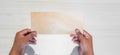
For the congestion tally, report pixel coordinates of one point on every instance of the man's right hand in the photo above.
(84, 41)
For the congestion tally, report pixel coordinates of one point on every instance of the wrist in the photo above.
(14, 52)
(91, 52)
(17, 50)
(88, 52)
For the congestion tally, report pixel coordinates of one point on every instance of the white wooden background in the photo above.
(101, 19)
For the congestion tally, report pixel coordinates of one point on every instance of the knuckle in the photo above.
(18, 33)
(32, 34)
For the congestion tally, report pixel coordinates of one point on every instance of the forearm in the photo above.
(16, 50)
(89, 52)
(13, 52)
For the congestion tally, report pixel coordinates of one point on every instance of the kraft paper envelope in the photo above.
(55, 22)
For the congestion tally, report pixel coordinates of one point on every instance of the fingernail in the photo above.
(71, 35)
(35, 32)
(77, 30)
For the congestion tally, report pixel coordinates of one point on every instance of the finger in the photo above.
(35, 33)
(76, 41)
(31, 35)
(24, 31)
(32, 41)
(73, 35)
(86, 34)
(75, 38)
(79, 34)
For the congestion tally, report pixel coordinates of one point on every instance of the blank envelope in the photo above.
(55, 22)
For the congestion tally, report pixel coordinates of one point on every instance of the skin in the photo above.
(26, 36)
(84, 41)
(22, 38)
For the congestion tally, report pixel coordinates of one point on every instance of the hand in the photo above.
(22, 38)
(84, 41)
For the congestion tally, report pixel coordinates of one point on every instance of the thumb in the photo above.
(31, 35)
(79, 34)
(86, 34)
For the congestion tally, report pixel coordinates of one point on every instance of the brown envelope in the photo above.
(55, 22)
